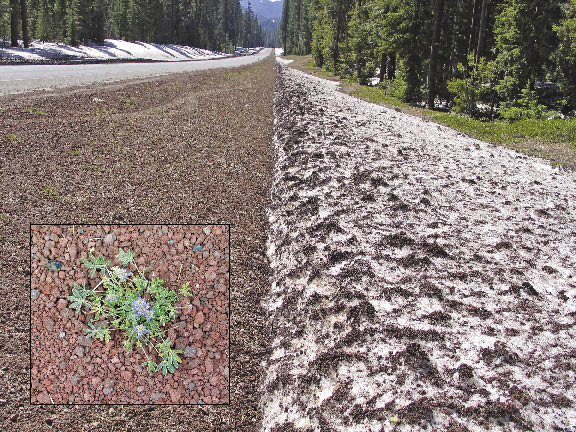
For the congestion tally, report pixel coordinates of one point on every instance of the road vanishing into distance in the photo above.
(26, 78)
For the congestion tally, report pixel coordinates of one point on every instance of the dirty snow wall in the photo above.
(422, 280)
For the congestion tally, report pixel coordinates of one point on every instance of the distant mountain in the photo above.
(264, 8)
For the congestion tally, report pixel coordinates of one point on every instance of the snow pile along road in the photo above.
(111, 49)
(422, 280)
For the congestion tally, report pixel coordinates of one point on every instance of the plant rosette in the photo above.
(129, 302)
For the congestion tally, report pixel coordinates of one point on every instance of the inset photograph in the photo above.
(130, 314)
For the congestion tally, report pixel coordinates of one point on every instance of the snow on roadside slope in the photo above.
(422, 280)
(111, 49)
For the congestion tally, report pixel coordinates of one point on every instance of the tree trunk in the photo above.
(391, 66)
(413, 59)
(481, 31)
(472, 25)
(383, 66)
(434, 54)
(14, 23)
(284, 26)
(24, 15)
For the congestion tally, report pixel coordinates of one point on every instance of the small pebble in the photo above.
(197, 248)
(62, 335)
(34, 294)
(109, 238)
(189, 351)
(54, 265)
(155, 396)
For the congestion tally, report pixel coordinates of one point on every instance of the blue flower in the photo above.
(111, 297)
(123, 274)
(148, 314)
(141, 307)
(140, 330)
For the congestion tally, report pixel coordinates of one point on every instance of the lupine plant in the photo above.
(125, 300)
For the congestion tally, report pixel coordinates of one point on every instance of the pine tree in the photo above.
(14, 18)
(24, 16)
(525, 38)
(434, 54)
(565, 55)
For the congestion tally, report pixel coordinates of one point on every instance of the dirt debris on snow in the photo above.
(189, 148)
(422, 280)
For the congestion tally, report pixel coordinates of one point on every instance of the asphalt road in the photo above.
(26, 78)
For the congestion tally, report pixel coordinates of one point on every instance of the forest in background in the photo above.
(218, 25)
(511, 59)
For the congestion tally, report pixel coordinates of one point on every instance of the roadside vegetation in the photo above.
(499, 131)
(499, 70)
(553, 139)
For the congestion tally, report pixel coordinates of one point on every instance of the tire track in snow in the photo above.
(422, 280)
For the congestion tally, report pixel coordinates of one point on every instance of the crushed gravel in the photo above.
(73, 368)
(190, 148)
(422, 280)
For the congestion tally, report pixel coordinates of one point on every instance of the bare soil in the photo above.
(190, 148)
(69, 367)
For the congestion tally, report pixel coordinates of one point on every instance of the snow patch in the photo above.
(422, 280)
(111, 49)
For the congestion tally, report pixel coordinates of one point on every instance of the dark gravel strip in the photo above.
(190, 148)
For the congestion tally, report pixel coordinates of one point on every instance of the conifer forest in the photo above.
(218, 25)
(509, 59)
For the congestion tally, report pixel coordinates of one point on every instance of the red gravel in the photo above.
(68, 367)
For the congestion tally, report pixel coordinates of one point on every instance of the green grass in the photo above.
(35, 111)
(497, 131)
(13, 137)
(53, 193)
(319, 71)
(375, 94)
(502, 132)
(73, 153)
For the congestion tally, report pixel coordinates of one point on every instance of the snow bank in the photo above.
(422, 280)
(111, 49)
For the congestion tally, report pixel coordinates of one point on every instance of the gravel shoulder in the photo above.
(422, 280)
(190, 148)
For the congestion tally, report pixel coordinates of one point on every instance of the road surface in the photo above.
(25, 78)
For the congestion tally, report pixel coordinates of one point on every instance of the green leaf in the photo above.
(101, 333)
(99, 311)
(185, 290)
(79, 296)
(95, 264)
(125, 257)
(169, 357)
(150, 365)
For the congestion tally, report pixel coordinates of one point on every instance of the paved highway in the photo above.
(26, 78)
